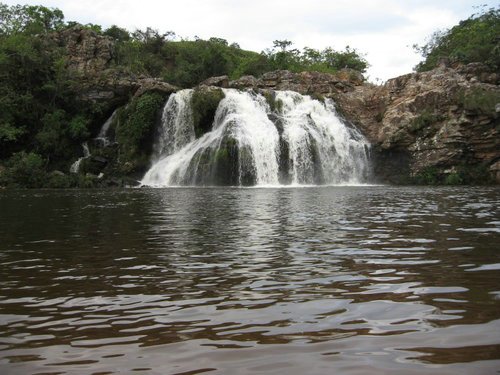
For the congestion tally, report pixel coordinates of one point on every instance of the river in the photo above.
(350, 280)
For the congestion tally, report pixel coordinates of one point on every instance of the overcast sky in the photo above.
(384, 30)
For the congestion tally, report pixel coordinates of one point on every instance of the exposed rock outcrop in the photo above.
(444, 120)
(304, 83)
(86, 51)
(90, 57)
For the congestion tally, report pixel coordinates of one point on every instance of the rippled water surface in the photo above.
(351, 280)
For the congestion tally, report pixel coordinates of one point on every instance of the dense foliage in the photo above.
(476, 39)
(136, 124)
(327, 60)
(186, 63)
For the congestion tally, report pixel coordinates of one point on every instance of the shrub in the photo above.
(464, 174)
(78, 128)
(428, 176)
(24, 170)
(58, 180)
(422, 121)
(275, 105)
(479, 101)
(474, 174)
(453, 179)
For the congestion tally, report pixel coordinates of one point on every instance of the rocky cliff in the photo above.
(439, 126)
(90, 58)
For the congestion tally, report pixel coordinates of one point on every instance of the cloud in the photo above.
(383, 29)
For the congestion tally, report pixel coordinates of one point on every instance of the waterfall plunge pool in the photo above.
(349, 280)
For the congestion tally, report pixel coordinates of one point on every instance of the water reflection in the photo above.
(366, 279)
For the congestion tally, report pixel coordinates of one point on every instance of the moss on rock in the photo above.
(204, 103)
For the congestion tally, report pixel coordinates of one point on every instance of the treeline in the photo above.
(186, 63)
(476, 39)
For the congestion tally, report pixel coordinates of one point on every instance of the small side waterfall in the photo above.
(75, 167)
(300, 141)
(177, 128)
(102, 137)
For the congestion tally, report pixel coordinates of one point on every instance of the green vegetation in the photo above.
(135, 131)
(453, 179)
(310, 59)
(186, 63)
(424, 120)
(479, 101)
(24, 170)
(276, 105)
(40, 113)
(460, 175)
(472, 40)
(43, 120)
(204, 104)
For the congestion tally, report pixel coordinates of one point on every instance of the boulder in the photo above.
(245, 82)
(221, 81)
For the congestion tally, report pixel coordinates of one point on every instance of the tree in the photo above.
(328, 60)
(117, 33)
(29, 19)
(282, 44)
(476, 39)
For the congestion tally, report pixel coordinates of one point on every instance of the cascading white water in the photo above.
(103, 133)
(305, 143)
(177, 128)
(75, 167)
(319, 141)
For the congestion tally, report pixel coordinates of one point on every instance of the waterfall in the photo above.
(102, 136)
(177, 129)
(322, 149)
(298, 141)
(75, 167)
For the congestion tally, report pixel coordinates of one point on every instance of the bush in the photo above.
(474, 174)
(428, 176)
(326, 61)
(59, 180)
(275, 105)
(78, 128)
(453, 179)
(422, 121)
(464, 174)
(25, 170)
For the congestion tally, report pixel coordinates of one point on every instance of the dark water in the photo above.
(352, 280)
